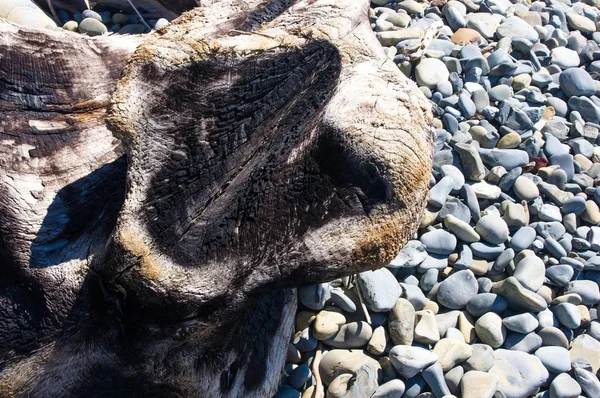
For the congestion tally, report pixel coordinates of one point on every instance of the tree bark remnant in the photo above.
(160, 198)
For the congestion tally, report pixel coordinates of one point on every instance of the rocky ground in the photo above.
(497, 294)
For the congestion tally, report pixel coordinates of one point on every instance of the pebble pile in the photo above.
(89, 22)
(497, 294)
(95, 23)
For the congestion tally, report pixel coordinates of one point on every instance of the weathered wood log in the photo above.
(261, 145)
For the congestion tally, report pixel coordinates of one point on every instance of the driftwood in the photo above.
(161, 196)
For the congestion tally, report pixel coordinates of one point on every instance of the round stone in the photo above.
(514, 28)
(430, 71)
(577, 82)
(351, 335)
(568, 315)
(120, 19)
(457, 289)
(493, 229)
(510, 141)
(482, 358)
(439, 242)
(521, 323)
(580, 23)
(91, 14)
(587, 290)
(161, 23)
(523, 342)
(71, 26)
(466, 36)
(555, 359)
(522, 239)
(565, 58)
(328, 323)
(486, 302)
(520, 374)
(490, 330)
(564, 386)
(92, 27)
(380, 289)
(453, 172)
(525, 189)
(553, 336)
(531, 272)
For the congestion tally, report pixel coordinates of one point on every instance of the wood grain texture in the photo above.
(269, 144)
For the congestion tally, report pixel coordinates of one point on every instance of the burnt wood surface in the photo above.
(161, 196)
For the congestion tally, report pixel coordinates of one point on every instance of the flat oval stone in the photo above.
(522, 239)
(567, 314)
(457, 289)
(454, 173)
(531, 272)
(565, 58)
(337, 362)
(439, 242)
(486, 251)
(555, 359)
(483, 190)
(523, 342)
(482, 358)
(588, 290)
(507, 158)
(520, 373)
(560, 274)
(92, 27)
(461, 229)
(351, 335)
(553, 336)
(328, 323)
(492, 229)
(401, 322)
(525, 189)
(521, 323)
(564, 386)
(490, 330)
(457, 209)
(486, 302)
(380, 289)
(409, 360)
(430, 71)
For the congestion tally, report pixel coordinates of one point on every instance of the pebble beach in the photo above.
(497, 294)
